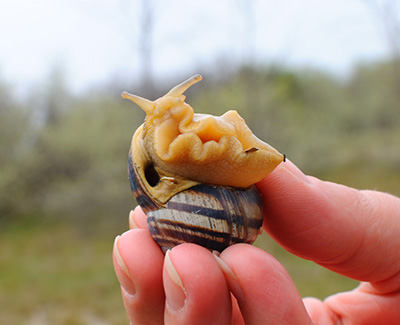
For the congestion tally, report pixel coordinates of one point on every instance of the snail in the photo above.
(194, 174)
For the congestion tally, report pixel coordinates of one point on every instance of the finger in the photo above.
(355, 307)
(319, 313)
(138, 263)
(363, 307)
(351, 232)
(137, 219)
(195, 288)
(265, 292)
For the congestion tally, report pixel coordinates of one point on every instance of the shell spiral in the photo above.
(193, 174)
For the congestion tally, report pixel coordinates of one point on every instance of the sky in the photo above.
(98, 40)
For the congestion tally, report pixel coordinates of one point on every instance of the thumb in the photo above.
(352, 232)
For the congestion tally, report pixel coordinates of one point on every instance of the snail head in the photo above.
(165, 105)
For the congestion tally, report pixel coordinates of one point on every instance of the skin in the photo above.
(354, 233)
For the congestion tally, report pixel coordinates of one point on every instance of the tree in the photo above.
(388, 13)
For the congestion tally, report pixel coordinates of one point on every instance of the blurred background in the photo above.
(318, 80)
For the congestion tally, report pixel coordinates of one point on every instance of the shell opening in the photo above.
(151, 175)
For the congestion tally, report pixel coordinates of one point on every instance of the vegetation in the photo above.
(65, 195)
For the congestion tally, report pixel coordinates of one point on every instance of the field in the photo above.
(55, 274)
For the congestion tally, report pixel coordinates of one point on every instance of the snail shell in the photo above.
(193, 174)
(211, 216)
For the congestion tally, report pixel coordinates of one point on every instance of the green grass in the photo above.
(57, 274)
(53, 274)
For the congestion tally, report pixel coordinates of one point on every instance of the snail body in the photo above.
(193, 174)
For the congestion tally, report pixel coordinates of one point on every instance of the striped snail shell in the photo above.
(214, 217)
(194, 174)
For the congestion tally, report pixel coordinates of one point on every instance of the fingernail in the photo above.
(294, 170)
(132, 224)
(124, 277)
(175, 292)
(231, 278)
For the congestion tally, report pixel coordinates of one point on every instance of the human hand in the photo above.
(354, 233)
